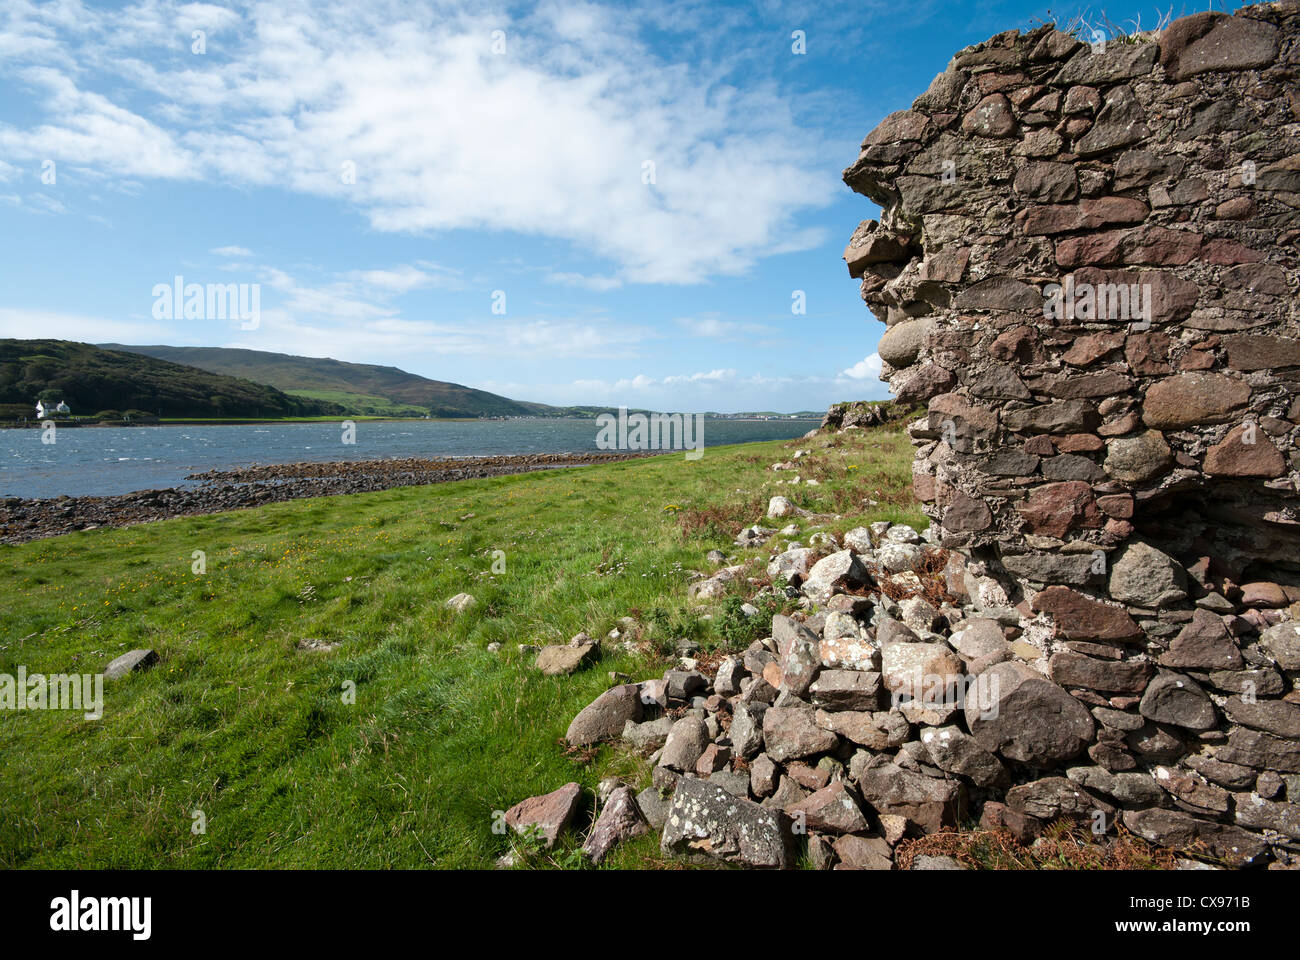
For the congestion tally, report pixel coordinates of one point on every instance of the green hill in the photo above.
(92, 379)
(360, 388)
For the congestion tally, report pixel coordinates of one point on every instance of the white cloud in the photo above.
(551, 139)
(231, 251)
(405, 278)
(587, 282)
(867, 368)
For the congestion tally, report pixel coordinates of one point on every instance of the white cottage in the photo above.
(42, 411)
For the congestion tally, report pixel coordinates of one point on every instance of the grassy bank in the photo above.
(237, 722)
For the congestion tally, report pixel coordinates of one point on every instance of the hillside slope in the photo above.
(92, 379)
(359, 387)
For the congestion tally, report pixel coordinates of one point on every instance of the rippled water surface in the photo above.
(99, 461)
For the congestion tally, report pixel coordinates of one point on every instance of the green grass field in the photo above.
(237, 722)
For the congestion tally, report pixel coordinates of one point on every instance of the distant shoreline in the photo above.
(24, 519)
(250, 422)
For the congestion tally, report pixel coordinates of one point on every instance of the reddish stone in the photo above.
(967, 514)
(1019, 343)
(1076, 127)
(1238, 208)
(1172, 298)
(1041, 446)
(1252, 351)
(1204, 644)
(1054, 508)
(1022, 827)
(923, 487)
(922, 382)
(713, 759)
(1157, 246)
(969, 419)
(1087, 350)
(1261, 593)
(1215, 41)
(832, 808)
(1118, 530)
(1148, 353)
(1049, 182)
(1235, 457)
(1091, 214)
(1196, 360)
(1071, 669)
(1081, 99)
(875, 247)
(1228, 252)
(992, 82)
(1192, 398)
(946, 266)
(1125, 424)
(1080, 443)
(1081, 618)
(1119, 505)
(862, 853)
(550, 813)
(991, 117)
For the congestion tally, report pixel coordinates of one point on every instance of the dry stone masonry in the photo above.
(1087, 264)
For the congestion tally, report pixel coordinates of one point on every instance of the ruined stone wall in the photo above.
(1132, 436)
(1087, 265)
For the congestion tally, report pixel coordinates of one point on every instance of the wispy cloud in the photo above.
(569, 126)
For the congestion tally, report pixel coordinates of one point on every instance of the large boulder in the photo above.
(901, 343)
(606, 716)
(1013, 710)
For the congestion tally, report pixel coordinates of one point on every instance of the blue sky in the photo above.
(497, 149)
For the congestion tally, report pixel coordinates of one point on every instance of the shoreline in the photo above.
(24, 519)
